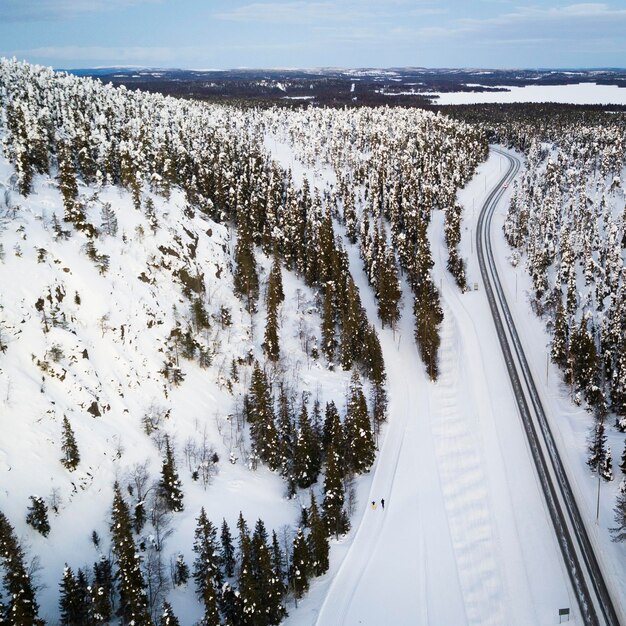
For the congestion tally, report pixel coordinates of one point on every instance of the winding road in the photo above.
(594, 600)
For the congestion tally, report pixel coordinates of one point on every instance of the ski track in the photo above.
(463, 485)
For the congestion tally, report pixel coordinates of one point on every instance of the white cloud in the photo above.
(32, 10)
(280, 12)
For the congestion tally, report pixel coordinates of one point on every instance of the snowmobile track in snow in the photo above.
(462, 477)
(594, 601)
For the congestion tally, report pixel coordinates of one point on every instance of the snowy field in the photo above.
(581, 93)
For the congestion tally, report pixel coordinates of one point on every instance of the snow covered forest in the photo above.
(566, 224)
(190, 385)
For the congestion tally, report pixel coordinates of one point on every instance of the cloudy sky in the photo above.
(226, 34)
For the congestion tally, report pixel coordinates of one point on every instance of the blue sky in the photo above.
(225, 34)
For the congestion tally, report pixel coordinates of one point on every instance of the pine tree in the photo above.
(300, 565)
(71, 456)
(102, 591)
(278, 558)
(428, 317)
(389, 291)
(249, 600)
(21, 608)
(269, 587)
(170, 488)
(559, 351)
(332, 434)
(109, 220)
(206, 571)
(619, 532)
(275, 296)
(167, 616)
(599, 454)
(227, 551)
(181, 571)
(307, 452)
(334, 514)
(286, 440)
(328, 324)
(352, 317)
(246, 279)
(74, 603)
(67, 180)
(37, 515)
(360, 446)
(132, 587)
(262, 421)
(318, 540)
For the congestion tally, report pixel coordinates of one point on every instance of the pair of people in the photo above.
(382, 503)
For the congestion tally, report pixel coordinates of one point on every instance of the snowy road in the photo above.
(594, 601)
(465, 537)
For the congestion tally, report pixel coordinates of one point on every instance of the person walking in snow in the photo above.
(382, 503)
(373, 505)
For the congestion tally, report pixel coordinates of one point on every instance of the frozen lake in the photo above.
(581, 93)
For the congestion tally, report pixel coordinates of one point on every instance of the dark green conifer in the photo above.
(318, 540)
(300, 565)
(170, 489)
(71, 456)
(37, 515)
(307, 453)
(206, 570)
(334, 514)
(132, 587)
(360, 447)
(227, 551)
(167, 616)
(262, 420)
(21, 608)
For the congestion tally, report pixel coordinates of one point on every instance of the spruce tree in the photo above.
(328, 324)
(286, 440)
(278, 558)
(206, 570)
(318, 540)
(360, 447)
(74, 602)
(227, 551)
(71, 456)
(262, 420)
(269, 587)
(334, 514)
(274, 297)
(167, 617)
(250, 603)
(181, 571)
(599, 454)
(132, 586)
(21, 608)
(300, 565)
(246, 279)
(102, 591)
(37, 515)
(428, 317)
(389, 291)
(619, 531)
(307, 452)
(170, 488)
(333, 434)
(559, 351)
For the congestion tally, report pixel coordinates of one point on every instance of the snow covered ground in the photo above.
(464, 537)
(581, 93)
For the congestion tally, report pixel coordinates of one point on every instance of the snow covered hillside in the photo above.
(192, 384)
